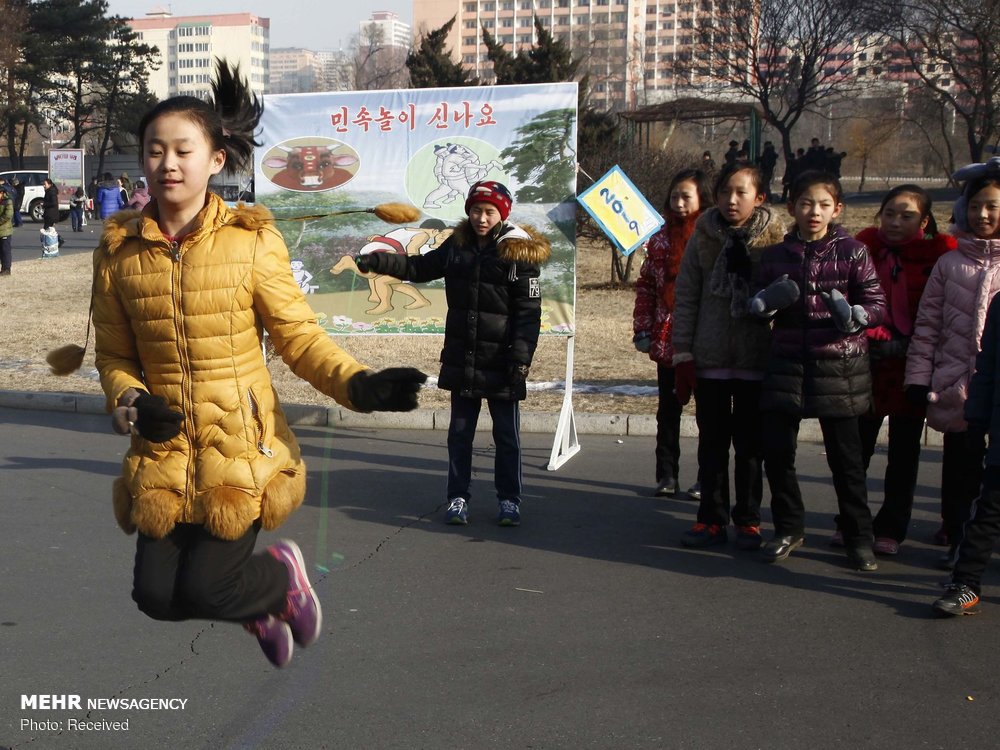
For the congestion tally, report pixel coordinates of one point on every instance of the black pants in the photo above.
(981, 534)
(6, 256)
(727, 414)
(506, 437)
(961, 480)
(668, 426)
(842, 440)
(905, 436)
(190, 574)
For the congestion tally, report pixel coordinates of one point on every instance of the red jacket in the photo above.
(903, 272)
(654, 289)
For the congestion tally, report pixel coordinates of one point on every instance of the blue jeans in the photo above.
(76, 219)
(506, 437)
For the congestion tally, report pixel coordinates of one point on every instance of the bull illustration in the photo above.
(310, 168)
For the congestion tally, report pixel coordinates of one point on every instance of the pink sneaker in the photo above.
(274, 637)
(837, 540)
(885, 546)
(303, 613)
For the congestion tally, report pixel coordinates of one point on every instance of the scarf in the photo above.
(731, 273)
(679, 231)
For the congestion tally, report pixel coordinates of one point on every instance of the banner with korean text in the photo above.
(330, 156)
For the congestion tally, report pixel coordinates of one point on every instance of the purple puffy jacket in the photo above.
(814, 369)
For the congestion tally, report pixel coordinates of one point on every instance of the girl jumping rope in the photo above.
(652, 318)
(181, 295)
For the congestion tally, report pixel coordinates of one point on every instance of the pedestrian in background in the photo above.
(652, 317)
(109, 197)
(18, 200)
(76, 205)
(6, 230)
(140, 196)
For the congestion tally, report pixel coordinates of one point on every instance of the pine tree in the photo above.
(431, 65)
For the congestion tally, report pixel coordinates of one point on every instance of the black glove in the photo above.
(366, 262)
(975, 435)
(392, 389)
(894, 349)
(517, 376)
(917, 394)
(779, 294)
(642, 341)
(157, 422)
(847, 318)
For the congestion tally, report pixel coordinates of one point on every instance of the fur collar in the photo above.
(525, 244)
(126, 225)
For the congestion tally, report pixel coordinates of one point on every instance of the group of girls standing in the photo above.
(766, 328)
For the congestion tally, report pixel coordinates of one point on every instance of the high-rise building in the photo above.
(386, 27)
(188, 47)
(627, 46)
(295, 70)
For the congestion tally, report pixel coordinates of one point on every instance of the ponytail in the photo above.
(229, 120)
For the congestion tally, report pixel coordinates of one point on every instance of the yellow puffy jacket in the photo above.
(185, 322)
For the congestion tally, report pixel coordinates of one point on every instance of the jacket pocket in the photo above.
(260, 433)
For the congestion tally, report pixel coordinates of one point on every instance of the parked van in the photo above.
(34, 191)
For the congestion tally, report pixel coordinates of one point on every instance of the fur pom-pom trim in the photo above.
(121, 500)
(66, 359)
(283, 494)
(229, 512)
(156, 512)
(396, 213)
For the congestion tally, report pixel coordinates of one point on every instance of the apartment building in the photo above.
(627, 46)
(189, 45)
(387, 28)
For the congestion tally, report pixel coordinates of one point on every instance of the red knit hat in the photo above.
(493, 192)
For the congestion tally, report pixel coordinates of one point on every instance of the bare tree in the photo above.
(869, 133)
(377, 63)
(954, 47)
(788, 56)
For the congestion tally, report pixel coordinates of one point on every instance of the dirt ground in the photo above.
(44, 305)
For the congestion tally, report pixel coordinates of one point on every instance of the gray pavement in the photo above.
(26, 245)
(587, 627)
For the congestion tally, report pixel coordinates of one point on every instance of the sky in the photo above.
(313, 24)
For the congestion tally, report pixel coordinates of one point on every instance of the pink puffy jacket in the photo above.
(949, 324)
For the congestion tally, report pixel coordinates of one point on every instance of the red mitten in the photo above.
(685, 380)
(878, 333)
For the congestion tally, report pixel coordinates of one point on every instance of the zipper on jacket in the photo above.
(187, 387)
(255, 411)
(175, 249)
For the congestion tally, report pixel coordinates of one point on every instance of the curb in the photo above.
(621, 425)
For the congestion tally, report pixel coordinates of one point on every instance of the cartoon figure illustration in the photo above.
(403, 241)
(311, 168)
(303, 277)
(456, 169)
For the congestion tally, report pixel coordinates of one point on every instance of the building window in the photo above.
(469, 41)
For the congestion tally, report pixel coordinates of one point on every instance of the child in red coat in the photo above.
(689, 192)
(904, 247)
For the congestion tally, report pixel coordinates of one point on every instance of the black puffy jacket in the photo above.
(814, 370)
(494, 304)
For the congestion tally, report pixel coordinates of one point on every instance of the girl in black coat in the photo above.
(491, 268)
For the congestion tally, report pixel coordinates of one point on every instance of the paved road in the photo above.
(587, 627)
